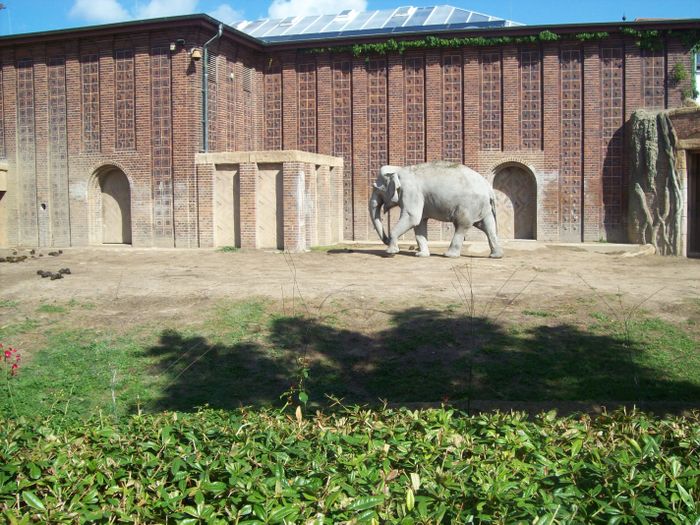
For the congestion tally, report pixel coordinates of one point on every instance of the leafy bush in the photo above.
(353, 466)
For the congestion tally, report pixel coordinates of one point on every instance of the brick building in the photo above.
(102, 129)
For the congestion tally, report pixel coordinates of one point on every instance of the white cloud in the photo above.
(100, 11)
(284, 8)
(227, 14)
(160, 8)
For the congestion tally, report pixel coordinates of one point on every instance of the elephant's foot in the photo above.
(453, 253)
(424, 253)
(392, 249)
(496, 254)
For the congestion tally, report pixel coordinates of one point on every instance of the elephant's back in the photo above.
(453, 176)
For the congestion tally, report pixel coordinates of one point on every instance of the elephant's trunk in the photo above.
(375, 212)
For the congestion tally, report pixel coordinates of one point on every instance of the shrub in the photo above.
(353, 466)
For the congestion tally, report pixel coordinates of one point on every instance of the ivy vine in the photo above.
(653, 40)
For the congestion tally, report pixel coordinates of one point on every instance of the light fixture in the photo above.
(195, 53)
(173, 46)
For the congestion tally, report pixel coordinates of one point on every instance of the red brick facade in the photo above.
(74, 102)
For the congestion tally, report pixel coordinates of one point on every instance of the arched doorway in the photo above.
(116, 207)
(516, 202)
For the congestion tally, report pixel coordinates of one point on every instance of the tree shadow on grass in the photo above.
(423, 356)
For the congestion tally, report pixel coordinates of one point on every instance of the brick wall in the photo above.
(557, 110)
(73, 106)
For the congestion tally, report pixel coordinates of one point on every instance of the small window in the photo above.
(697, 63)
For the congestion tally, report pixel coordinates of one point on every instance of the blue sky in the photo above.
(23, 16)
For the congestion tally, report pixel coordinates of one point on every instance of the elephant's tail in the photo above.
(492, 200)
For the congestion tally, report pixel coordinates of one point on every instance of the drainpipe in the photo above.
(205, 89)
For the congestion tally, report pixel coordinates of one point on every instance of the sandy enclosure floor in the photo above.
(105, 275)
(134, 283)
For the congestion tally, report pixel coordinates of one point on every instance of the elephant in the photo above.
(444, 191)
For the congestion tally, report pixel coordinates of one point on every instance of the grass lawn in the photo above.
(250, 353)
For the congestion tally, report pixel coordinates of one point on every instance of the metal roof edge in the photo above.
(130, 26)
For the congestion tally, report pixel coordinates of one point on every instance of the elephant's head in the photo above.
(386, 195)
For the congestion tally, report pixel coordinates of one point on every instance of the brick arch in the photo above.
(515, 186)
(110, 190)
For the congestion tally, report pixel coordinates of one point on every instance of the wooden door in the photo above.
(516, 204)
(116, 208)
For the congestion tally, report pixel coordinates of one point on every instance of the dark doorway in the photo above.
(694, 204)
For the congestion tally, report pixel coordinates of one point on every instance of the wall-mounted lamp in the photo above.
(195, 53)
(180, 42)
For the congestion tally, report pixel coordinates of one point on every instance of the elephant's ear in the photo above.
(394, 186)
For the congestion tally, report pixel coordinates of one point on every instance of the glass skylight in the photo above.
(347, 23)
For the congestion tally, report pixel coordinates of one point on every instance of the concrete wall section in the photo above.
(289, 200)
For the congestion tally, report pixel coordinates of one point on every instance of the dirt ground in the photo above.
(128, 283)
(121, 287)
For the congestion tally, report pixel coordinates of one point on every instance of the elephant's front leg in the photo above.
(455, 249)
(406, 222)
(422, 239)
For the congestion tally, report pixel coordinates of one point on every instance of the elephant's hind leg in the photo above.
(422, 239)
(455, 249)
(488, 226)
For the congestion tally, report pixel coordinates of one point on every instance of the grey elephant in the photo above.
(444, 191)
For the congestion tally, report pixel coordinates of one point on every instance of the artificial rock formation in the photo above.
(655, 198)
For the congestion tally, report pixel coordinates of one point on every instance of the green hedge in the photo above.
(352, 466)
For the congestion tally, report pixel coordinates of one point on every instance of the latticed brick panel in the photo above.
(613, 119)
(230, 106)
(212, 101)
(247, 101)
(531, 93)
(377, 114)
(307, 106)
(161, 142)
(90, 81)
(342, 132)
(653, 79)
(273, 106)
(571, 136)
(491, 101)
(58, 151)
(452, 108)
(124, 99)
(26, 154)
(2, 119)
(415, 110)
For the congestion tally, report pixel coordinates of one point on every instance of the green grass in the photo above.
(332, 247)
(7, 303)
(537, 313)
(21, 327)
(228, 249)
(248, 353)
(51, 309)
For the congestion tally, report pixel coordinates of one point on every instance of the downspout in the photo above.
(205, 89)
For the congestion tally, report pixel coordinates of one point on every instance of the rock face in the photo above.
(655, 199)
